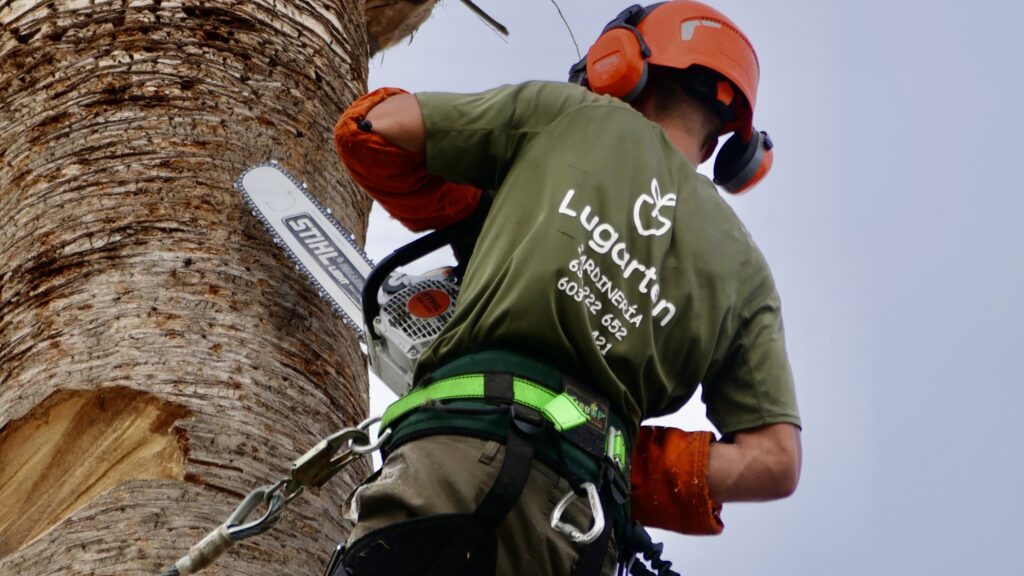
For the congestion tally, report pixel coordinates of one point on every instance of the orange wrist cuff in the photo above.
(669, 478)
(397, 178)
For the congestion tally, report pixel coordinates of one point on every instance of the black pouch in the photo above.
(409, 548)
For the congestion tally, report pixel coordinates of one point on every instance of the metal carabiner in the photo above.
(313, 469)
(370, 446)
(596, 511)
(275, 500)
(234, 529)
(322, 462)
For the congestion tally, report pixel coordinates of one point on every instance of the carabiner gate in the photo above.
(596, 511)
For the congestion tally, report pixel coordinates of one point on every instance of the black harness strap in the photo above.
(483, 523)
(591, 558)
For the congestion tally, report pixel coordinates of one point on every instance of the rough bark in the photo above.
(154, 345)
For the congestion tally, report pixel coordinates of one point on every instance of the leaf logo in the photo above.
(650, 222)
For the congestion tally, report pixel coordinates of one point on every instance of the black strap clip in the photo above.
(617, 482)
(527, 420)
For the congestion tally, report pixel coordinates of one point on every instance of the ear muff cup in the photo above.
(617, 63)
(742, 163)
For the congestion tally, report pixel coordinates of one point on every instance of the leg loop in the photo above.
(482, 524)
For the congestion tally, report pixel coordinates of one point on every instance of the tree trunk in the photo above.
(159, 358)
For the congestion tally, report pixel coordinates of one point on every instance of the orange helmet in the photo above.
(680, 34)
(676, 34)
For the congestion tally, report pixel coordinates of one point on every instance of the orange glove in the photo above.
(397, 178)
(669, 480)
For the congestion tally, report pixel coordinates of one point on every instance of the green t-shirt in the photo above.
(606, 254)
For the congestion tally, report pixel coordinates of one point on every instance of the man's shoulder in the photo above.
(565, 96)
(718, 237)
(533, 105)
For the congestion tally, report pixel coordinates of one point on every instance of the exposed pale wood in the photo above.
(389, 21)
(76, 445)
(127, 260)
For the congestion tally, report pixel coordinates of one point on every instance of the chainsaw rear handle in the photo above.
(456, 234)
(411, 252)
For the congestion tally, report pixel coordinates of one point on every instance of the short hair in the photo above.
(690, 92)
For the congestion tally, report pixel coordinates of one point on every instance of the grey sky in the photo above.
(891, 221)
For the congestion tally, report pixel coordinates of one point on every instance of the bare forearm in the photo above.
(762, 464)
(399, 120)
(380, 139)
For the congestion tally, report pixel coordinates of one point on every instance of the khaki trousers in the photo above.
(452, 474)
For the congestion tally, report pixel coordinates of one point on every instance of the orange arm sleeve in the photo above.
(669, 479)
(397, 178)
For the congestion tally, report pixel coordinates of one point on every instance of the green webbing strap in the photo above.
(564, 412)
(447, 389)
(560, 409)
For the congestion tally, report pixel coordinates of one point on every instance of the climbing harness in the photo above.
(536, 412)
(313, 469)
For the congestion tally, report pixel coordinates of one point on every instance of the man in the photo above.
(608, 281)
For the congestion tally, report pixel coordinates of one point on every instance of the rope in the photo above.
(314, 468)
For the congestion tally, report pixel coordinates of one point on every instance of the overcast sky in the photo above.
(891, 221)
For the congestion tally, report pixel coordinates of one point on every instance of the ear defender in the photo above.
(616, 64)
(743, 162)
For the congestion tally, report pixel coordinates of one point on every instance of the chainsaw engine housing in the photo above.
(413, 312)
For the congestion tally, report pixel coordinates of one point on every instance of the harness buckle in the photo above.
(615, 448)
(527, 420)
(596, 511)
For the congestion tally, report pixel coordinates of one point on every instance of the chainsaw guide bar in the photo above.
(322, 250)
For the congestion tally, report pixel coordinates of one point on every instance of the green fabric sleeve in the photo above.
(753, 384)
(475, 138)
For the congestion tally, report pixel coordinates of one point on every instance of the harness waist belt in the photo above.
(560, 409)
(581, 418)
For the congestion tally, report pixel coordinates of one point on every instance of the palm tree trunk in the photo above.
(158, 356)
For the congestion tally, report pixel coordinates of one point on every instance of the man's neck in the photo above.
(675, 129)
(684, 141)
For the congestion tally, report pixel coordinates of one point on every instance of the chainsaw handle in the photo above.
(411, 252)
(418, 248)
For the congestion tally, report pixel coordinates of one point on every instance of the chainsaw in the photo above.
(396, 315)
